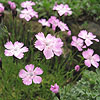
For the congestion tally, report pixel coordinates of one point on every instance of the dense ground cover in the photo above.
(65, 63)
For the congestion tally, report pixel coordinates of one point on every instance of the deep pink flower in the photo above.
(1, 8)
(28, 14)
(54, 21)
(31, 74)
(44, 22)
(88, 37)
(63, 9)
(55, 88)
(27, 4)
(49, 45)
(90, 58)
(77, 68)
(15, 49)
(12, 5)
(63, 26)
(77, 42)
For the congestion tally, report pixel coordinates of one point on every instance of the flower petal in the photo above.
(95, 64)
(37, 79)
(19, 55)
(48, 53)
(96, 57)
(38, 71)
(18, 44)
(22, 73)
(9, 45)
(87, 63)
(27, 81)
(39, 45)
(29, 67)
(8, 53)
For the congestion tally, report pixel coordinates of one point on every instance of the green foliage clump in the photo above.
(88, 88)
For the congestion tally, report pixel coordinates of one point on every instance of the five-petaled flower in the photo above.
(90, 58)
(77, 42)
(28, 14)
(31, 74)
(27, 4)
(49, 45)
(88, 37)
(15, 49)
(63, 9)
(44, 22)
(55, 88)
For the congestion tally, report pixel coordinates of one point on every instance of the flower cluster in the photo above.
(49, 45)
(12, 5)
(28, 13)
(84, 40)
(1, 9)
(57, 23)
(63, 9)
(15, 49)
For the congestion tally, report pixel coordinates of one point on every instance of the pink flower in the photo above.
(44, 22)
(69, 33)
(30, 74)
(28, 14)
(27, 4)
(54, 21)
(77, 68)
(12, 5)
(49, 45)
(63, 9)
(90, 58)
(1, 8)
(63, 26)
(54, 88)
(88, 37)
(77, 42)
(15, 49)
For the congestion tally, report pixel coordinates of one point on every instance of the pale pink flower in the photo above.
(12, 5)
(27, 4)
(54, 21)
(15, 49)
(63, 9)
(63, 26)
(77, 42)
(88, 37)
(49, 45)
(90, 58)
(77, 68)
(44, 22)
(1, 8)
(31, 74)
(55, 88)
(28, 14)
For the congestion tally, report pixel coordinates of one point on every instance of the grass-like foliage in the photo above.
(54, 70)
